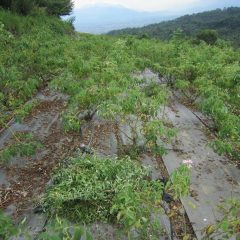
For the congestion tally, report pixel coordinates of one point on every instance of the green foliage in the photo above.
(95, 71)
(231, 221)
(179, 182)
(56, 7)
(209, 36)
(25, 59)
(22, 6)
(226, 22)
(207, 75)
(7, 229)
(24, 111)
(25, 146)
(26, 7)
(70, 122)
(58, 229)
(228, 226)
(90, 189)
(155, 129)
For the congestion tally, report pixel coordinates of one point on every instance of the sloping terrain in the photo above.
(213, 179)
(101, 134)
(225, 21)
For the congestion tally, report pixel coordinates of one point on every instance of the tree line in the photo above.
(51, 7)
(225, 21)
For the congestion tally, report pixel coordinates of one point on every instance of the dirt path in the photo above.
(214, 177)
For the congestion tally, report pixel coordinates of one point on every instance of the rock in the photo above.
(125, 135)
(113, 144)
(86, 149)
(132, 130)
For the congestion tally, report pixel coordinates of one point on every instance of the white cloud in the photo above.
(146, 5)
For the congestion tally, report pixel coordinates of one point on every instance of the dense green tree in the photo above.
(52, 7)
(5, 3)
(209, 36)
(56, 7)
(22, 6)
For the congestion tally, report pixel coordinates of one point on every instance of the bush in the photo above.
(56, 7)
(7, 228)
(209, 36)
(22, 6)
(92, 189)
(25, 7)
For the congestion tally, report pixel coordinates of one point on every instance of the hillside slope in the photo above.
(81, 117)
(226, 22)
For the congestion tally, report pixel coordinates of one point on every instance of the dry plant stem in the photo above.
(7, 126)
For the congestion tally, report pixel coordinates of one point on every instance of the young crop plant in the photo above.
(206, 75)
(117, 191)
(56, 229)
(7, 227)
(229, 226)
(179, 182)
(24, 145)
(25, 110)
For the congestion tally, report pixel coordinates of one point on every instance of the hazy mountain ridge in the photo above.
(225, 21)
(102, 18)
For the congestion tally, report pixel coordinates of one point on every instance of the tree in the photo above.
(23, 7)
(20, 6)
(56, 7)
(209, 36)
(5, 4)
(52, 7)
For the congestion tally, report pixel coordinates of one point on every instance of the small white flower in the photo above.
(188, 163)
(205, 220)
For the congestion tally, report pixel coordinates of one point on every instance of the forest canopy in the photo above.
(226, 22)
(51, 7)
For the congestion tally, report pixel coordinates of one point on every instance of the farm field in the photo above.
(106, 137)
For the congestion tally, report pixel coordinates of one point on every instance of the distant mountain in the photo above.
(225, 21)
(102, 18)
(207, 5)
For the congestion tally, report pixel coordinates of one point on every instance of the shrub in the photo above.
(209, 36)
(22, 6)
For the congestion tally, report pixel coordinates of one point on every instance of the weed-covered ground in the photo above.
(42, 55)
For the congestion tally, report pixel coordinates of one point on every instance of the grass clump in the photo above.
(7, 228)
(111, 190)
(24, 146)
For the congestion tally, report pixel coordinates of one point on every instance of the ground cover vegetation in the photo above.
(96, 72)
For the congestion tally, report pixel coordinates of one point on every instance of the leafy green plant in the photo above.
(7, 229)
(25, 146)
(208, 35)
(179, 182)
(90, 189)
(228, 226)
(58, 229)
(70, 122)
(115, 190)
(155, 130)
(24, 111)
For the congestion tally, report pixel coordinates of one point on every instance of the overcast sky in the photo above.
(162, 5)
